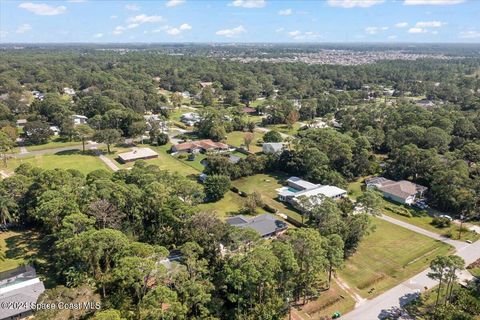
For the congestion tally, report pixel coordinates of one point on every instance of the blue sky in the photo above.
(240, 21)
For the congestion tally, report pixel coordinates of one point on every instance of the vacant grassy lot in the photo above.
(267, 184)
(335, 299)
(63, 160)
(26, 246)
(235, 138)
(388, 256)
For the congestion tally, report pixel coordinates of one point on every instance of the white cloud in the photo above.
(132, 7)
(308, 35)
(174, 3)
(285, 12)
(160, 29)
(24, 28)
(429, 24)
(469, 34)
(401, 25)
(295, 33)
(118, 30)
(132, 25)
(77, 1)
(98, 35)
(230, 33)
(417, 30)
(353, 3)
(42, 9)
(143, 18)
(431, 2)
(375, 30)
(249, 3)
(371, 30)
(176, 30)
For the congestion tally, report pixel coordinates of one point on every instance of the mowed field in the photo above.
(388, 256)
(85, 163)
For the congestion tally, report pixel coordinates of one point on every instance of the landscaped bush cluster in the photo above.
(440, 222)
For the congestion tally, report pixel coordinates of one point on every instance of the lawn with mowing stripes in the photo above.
(388, 256)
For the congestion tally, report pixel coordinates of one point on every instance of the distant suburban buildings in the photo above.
(69, 91)
(79, 119)
(55, 130)
(190, 118)
(21, 122)
(266, 225)
(38, 95)
(200, 146)
(297, 188)
(21, 287)
(272, 147)
(137, 154)
(402, 191)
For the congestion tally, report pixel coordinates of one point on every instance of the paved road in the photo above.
(395, 298)
(456, 244)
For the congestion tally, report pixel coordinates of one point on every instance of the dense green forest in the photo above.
(109, 234)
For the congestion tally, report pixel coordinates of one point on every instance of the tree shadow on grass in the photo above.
(77, 152)
(35, 250)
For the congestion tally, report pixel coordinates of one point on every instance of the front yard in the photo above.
(388, 256)
(236, 139)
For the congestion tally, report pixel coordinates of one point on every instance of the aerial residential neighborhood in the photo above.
(240, 159)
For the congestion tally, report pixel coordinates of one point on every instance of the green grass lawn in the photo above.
(165, 161)
(176, 113)
(388, 256)
(283, 128)
(330, 301)
(26, 246)
(229, 205)
(55, 142)
(355, 188)
(266, 185)
(63, 160)
(235, 138)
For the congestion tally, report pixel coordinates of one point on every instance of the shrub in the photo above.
(162, 139)
(272, 136)
(216, 186)
(269, 208)
(440, 222)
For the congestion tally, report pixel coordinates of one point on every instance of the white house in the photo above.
(402, 191)
(69, 91)
(55, 130)
(190, 118)
(79, 119)
(272, 147)
(297, 188)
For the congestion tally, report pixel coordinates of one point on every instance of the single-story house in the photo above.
(249, 110)
(190, 118)
(20, 286)
(21, 122)
(297, 188)
(69, 91)
(137, 154)
(38, 95)
(402, 191)
(266, 225)
(272, 147)
(79, 119)
(55, 130)
(200, 146)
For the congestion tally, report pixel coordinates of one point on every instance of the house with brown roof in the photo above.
(200, 146)
(402, 191)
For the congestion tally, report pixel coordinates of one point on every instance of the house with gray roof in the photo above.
(403, 191)
(266, 225)
(272, 147)
(20, 287)
(297, 188)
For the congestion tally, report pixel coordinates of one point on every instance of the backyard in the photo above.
(267, 184)
(235, 138)
(388, 256)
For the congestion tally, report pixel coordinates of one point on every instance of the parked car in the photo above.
(446, 216)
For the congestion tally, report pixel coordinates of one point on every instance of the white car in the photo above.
(446, 217)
